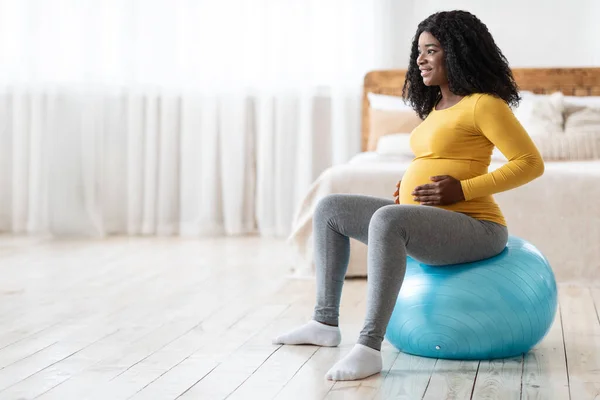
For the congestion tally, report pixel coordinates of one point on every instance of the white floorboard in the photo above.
(171, 318)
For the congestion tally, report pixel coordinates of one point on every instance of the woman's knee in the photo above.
(388, 220)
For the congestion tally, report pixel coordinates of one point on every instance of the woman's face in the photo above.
(431, 61)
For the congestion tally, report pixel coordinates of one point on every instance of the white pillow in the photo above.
(583, 101)
(541, 114)
(567, 104)
(563, 127)
(523, 110)
(586, 119)
(387, 103)
(397, 144)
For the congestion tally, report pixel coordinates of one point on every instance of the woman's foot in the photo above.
(361, 362)
(312, 333)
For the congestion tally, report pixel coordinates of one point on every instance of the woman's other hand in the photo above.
(397, 193)
(444, 190)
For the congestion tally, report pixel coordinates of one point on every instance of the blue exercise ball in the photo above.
(494, 308)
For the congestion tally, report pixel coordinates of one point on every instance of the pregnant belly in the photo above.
(420, 171)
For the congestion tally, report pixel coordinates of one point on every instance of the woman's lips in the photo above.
(425, 72)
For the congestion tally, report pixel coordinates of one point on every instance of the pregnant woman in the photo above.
(460, 83)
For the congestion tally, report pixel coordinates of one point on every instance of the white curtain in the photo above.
(177, 117)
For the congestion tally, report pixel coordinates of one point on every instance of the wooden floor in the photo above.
(193, 319)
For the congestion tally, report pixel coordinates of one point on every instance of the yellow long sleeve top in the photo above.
(459, 140)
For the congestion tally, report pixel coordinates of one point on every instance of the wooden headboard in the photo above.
(570, 81)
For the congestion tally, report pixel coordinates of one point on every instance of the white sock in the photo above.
(312, 333)
(361, 362)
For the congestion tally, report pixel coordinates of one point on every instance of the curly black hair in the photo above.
(474, 63)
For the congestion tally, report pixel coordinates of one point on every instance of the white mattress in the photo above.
(558, 212)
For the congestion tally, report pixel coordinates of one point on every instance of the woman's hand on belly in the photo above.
(445, 190)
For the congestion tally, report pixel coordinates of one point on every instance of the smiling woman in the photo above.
(466, 114)
(459, 82)
(452, 55)
(431, 61)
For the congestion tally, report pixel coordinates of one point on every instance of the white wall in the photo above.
(530, 33)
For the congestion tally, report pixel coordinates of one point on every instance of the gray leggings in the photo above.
(430, 235)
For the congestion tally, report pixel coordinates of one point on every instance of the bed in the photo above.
(559, 212)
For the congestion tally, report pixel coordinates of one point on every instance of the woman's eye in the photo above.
(430, 51)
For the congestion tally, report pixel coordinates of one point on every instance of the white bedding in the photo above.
(559, 212)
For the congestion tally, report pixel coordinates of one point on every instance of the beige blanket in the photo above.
(559, 213)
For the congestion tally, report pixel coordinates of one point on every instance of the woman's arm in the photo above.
(496, 121)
